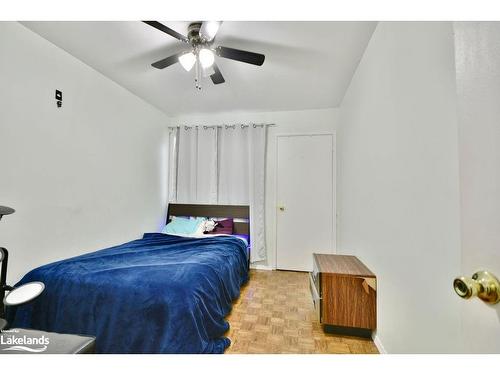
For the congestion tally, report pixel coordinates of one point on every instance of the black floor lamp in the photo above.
(16, 296)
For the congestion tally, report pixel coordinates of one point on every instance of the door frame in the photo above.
(333, 134)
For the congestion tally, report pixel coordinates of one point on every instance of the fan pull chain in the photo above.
(197, 78)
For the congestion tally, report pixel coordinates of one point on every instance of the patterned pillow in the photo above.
(209, 226)
(224, 226)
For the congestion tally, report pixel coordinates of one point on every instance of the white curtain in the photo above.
(257, 177)
(197, 165)
(187, 165)
(206, 181)
(172, 164)
(225, 165)
(233, 165)
(242, 178)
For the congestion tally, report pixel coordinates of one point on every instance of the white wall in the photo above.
(478, 85)
(85, 176)
(287, 122)
(397, 194)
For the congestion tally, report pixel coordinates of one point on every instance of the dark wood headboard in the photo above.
(213, 210)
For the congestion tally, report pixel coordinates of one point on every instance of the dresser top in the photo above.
(342, 265)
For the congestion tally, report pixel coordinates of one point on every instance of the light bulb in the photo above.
(206, 58)
(210, 28)
(187, 60)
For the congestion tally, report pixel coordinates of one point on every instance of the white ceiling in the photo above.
(308, 64)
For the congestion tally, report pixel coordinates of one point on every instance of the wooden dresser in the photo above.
(344, 293)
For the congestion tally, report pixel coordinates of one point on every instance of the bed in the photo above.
(158, 294)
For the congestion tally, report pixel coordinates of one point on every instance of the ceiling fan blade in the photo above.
(239, 55)
(163, 63)
(159, 26)
(217, 77)
(209, 29)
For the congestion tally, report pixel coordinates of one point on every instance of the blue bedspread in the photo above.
(158, 294)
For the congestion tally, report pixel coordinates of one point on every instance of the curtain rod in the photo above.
(227, 126)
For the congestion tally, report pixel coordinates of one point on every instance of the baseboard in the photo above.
(378, 344)
(261, 267)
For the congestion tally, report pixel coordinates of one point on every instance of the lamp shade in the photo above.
(24, 293)
(187, 60)
(206, 58)
(209, 29)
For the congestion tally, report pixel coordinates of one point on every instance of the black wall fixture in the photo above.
(59, 98)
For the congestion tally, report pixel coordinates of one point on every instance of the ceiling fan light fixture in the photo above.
(187, 60)
(210, 28)
(206, 57)
(202, 51)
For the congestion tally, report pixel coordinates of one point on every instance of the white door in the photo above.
(305, 200)
(478, 85)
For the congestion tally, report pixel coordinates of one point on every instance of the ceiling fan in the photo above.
(201, 54)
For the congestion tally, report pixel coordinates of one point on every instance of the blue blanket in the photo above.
(158, 294)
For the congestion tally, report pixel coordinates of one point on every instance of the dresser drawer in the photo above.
(316, 298)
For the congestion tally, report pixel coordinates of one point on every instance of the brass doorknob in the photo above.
(482, 284)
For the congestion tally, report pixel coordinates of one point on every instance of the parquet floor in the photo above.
(274, 314)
